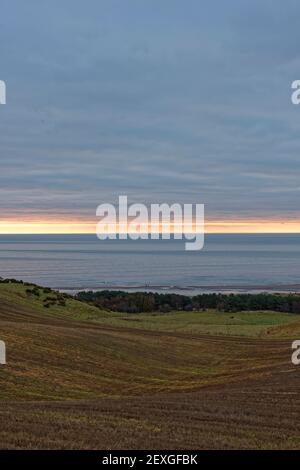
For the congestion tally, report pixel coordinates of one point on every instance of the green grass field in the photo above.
(253, 324)
(176, 380)
(256, 324)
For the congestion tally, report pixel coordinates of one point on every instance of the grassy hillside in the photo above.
(127, 381)
(248, 324)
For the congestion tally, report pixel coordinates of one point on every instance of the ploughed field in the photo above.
(78, 377)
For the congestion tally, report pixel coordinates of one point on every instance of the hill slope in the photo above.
(170, 379)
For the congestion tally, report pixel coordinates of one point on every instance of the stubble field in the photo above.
(77, 377)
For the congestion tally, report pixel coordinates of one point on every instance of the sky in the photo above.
(159, 100)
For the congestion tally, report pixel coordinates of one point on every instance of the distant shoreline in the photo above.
(190, 290)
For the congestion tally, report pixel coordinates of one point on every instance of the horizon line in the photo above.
(74, 226)
(149, 234)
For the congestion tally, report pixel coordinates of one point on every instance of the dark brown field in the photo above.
(80, 378)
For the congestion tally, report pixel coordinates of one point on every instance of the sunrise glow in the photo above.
(75, 226)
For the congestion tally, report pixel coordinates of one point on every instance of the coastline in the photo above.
(190, 290)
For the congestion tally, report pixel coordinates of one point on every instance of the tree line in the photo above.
(138, 302)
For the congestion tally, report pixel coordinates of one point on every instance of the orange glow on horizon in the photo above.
(75, 226)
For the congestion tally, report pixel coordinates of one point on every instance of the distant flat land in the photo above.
(78, 377)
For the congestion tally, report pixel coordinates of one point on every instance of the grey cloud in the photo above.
(153, 99)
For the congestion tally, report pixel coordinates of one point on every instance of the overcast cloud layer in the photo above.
(163, 100)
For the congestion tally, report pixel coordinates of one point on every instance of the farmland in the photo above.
(79, 377)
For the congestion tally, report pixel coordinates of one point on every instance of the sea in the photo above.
(227, 263)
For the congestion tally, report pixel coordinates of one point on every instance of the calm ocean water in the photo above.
(227, 262)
